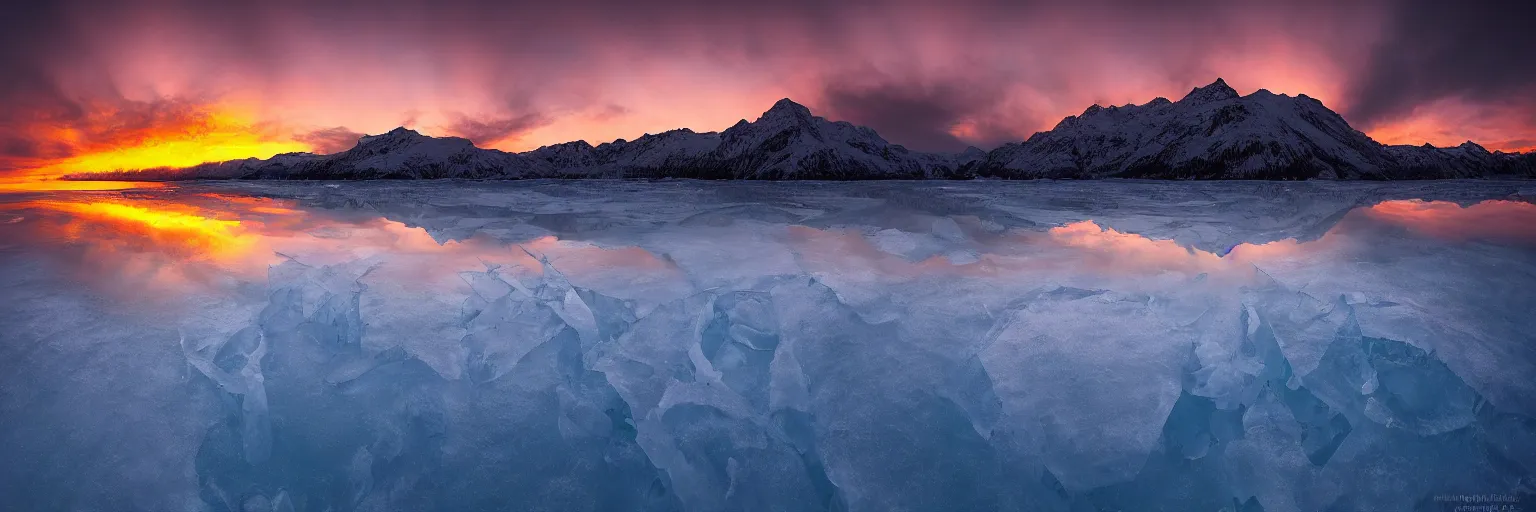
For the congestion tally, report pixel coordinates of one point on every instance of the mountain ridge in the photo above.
(1211, 133)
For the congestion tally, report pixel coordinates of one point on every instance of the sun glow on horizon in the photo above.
(1448, 123)
(218, 135)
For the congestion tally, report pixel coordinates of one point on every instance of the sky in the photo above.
(89, 85)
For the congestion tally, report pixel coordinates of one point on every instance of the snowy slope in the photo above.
(1213, 133)
(1210, 133)
(399, 154)
(671, 150)
(404, 153)
(1464, 161)
(786, 142)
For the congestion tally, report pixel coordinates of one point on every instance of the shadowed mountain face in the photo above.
(1211, 133)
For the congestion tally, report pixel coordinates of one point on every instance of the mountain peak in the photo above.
(395, 134)
(575, 144)
(402, 132)
(787, 108)
(1216, 91)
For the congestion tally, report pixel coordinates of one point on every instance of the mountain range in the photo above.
(1210, 133)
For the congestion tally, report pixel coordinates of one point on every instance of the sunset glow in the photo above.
(118, 229)
(135, 85)
(207, 137)
(41, 185)
(1452, 122)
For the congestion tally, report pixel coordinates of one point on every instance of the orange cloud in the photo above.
(1451, 122)
(127, 135)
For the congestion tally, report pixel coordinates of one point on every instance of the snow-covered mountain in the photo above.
(786, 142)
(400, 153)
(1211, 133)
(677, 150)
(1466, 160)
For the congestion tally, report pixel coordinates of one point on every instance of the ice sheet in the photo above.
(682, 345)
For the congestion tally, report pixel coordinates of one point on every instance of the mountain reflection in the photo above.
(180, 240)
(173, 237)
(13, 186)
(1488, 220)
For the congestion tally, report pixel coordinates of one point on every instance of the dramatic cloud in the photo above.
(330, 140)
(923, 117)
(1474, 51)
(114, 133)
(937, 76)
(1497, 123)
(486, 132)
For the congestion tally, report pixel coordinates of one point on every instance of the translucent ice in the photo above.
(680, 346)
(1094, 400)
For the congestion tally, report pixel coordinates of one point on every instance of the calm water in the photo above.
(784, 346)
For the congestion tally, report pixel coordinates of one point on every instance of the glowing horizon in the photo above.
(223, 137)
(131, 85)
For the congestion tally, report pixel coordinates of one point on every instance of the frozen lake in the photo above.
(712, 346)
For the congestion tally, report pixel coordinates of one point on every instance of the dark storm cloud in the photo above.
(491, 130)
(15, 150)
(25, 29)
(330, 140)
(27, 94)
(16, 147)
(919, 116)
(1477, 50)
(1518, 143)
